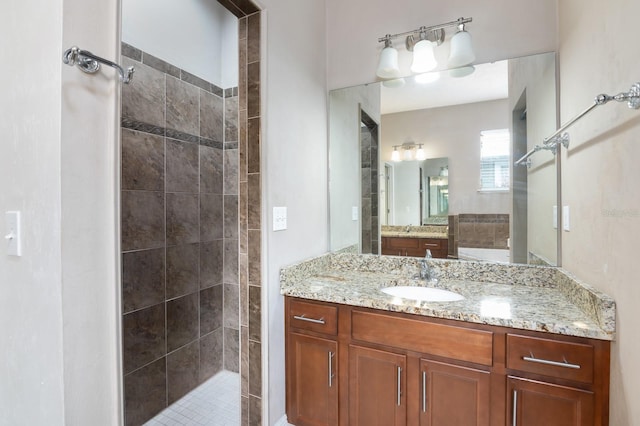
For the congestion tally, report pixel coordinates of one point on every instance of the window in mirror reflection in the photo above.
(494, 160)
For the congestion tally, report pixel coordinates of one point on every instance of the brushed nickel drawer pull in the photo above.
(399, 378)
(431, 245)
(514, 413)
(549, 362)
(313, 320)
(331, 354)
(424, 391)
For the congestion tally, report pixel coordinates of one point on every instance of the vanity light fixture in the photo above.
(388, 66)
(422, 42)
(410, 151)
(461, 53)
(395, 155)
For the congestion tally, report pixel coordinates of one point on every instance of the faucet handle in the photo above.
(427, 254)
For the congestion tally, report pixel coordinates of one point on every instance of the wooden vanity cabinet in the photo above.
(393, 369)
(311, 363)
(415, 247)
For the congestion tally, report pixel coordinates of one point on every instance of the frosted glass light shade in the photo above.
(424, 59)
(420, 154)
(461, 53)
(388, 65)
(395, 155)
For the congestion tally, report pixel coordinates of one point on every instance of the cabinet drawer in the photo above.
(313, 317)
(566, 360)
(433, 243)
(403, 243)
(448, 341)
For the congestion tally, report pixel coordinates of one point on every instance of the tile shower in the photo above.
(191, 230)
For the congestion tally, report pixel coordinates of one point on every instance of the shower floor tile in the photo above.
(215, 402)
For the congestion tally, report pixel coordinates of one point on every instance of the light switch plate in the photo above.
(565, 218)
(279, 218)
(354, 213)
(12, 235)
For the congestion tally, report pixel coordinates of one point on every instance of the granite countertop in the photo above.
(522, 297)
(396, 234)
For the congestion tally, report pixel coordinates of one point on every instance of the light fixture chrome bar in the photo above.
(459, 21)
(632, 97)
(90, 63)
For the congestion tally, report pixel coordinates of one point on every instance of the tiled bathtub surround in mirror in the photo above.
(519, 296)
(180, 236)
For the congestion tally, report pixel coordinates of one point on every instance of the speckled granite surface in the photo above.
(427, 231)
(518, 296)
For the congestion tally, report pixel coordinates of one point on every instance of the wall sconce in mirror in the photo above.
(422, 43)
(408, 151)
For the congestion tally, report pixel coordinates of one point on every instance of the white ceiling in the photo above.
(488, 82)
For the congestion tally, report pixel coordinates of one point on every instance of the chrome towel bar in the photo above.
(90, 63)
(632, 97)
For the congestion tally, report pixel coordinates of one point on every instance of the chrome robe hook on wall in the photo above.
(90, 63)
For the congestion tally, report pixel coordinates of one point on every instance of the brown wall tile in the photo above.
(253, 38)
(182, 167)
(143, 335)
(211, 354)
(145, 393)
(253, 206)
(143, 279)
(255, 369)
(182, 218)
(211, 116)
(211, 309)
(231, 119)
(232, 349)
(211, 263)
(243, 217)
(255, 411)
(231, 216)
(144, 101)
(255, 313)
(211, 217)
(253, 146)
(253, 89)
(183, 106)
(230, 172)
(183, 368)
(142, 220)
(182, 321)
(230, 270)
(211, 170)
(183, 267)
(142, 161)
(231, 306)
(254, 258)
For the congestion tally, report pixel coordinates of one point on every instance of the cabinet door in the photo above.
(312, 384)
(377, 387)
(452, 395)
(534, 403)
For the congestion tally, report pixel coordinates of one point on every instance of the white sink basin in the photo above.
(425, 294)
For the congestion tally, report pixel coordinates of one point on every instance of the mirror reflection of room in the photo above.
(446, 170)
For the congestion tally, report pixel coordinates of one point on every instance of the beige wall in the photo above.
(295, 160)
(59, 301)
(599, 53)
(452, 132)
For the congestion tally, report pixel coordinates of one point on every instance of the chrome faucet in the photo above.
(408, 228)
(425, 269)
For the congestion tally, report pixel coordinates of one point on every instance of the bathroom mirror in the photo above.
(500, 211)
